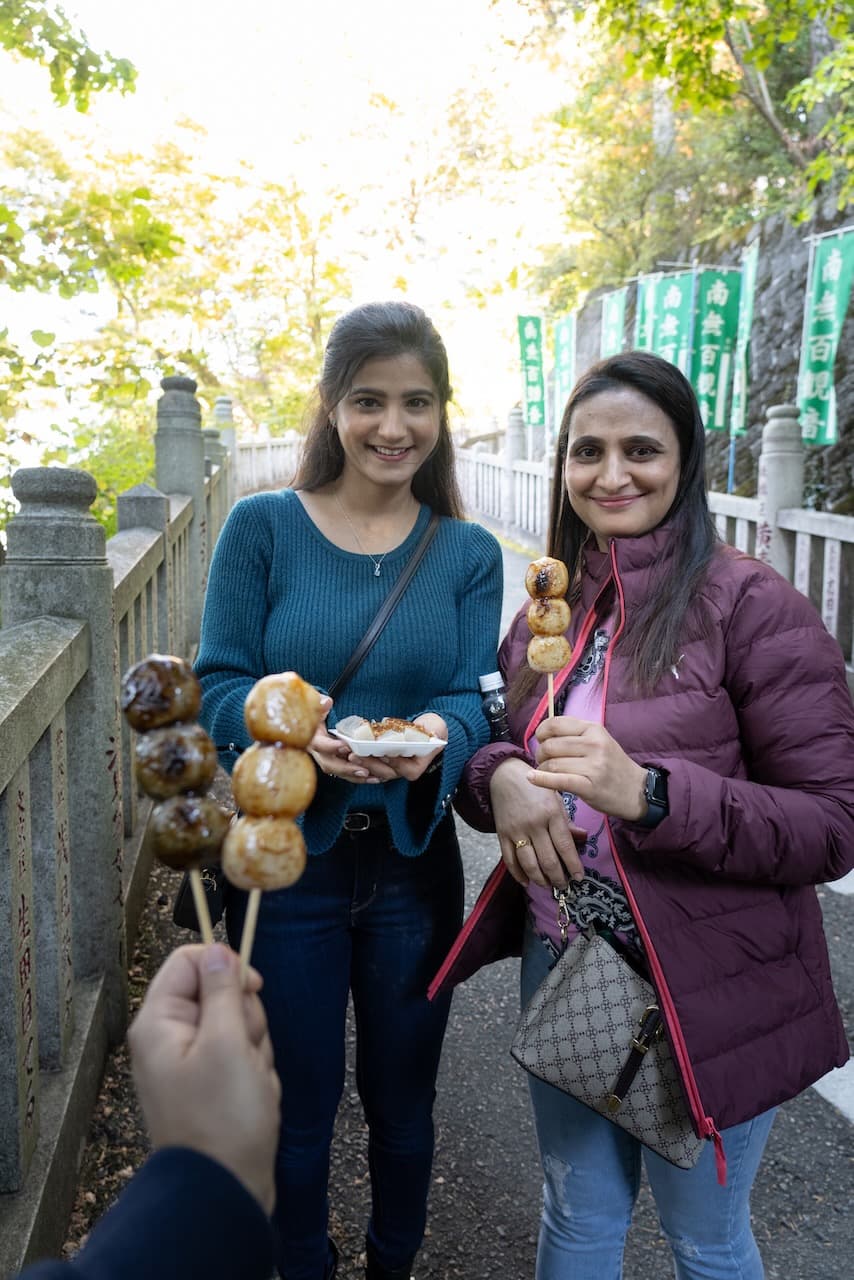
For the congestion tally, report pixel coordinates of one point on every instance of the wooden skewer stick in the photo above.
(248, 935)
(201, 904)
(551, 680)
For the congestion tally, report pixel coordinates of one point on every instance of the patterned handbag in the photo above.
(593, 1029)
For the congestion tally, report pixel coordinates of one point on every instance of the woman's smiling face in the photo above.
(622, 464)
(388, 422)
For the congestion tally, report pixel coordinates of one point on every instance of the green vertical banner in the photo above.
(564, 377)
(613, 325)
(533, 380)
(831, 273)
(645, 311)
(664, 318)
(716, 328)
(738, 411)
(673, 323)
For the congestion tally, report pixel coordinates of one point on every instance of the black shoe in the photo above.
(375, 1271)
(332, 1265)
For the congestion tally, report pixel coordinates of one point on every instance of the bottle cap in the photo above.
(494, 680)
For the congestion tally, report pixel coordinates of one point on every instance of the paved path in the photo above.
(486, 1191)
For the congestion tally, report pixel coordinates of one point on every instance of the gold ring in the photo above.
(520, 843)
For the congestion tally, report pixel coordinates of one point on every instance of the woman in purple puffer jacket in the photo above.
(696, 781)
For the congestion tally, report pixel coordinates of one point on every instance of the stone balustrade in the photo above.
(76, 611)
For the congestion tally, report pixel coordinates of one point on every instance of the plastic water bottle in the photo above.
(495, 706)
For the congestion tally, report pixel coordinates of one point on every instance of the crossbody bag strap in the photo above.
(385, 610)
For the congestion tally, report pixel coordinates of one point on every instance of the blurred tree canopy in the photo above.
(42, 33)
(691, 120)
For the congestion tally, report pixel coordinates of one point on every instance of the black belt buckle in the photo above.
(357, 821)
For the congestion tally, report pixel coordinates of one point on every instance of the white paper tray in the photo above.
(362, 747)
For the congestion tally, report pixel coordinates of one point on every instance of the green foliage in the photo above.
(228, 279)
(829, 93)
(43, 34)
(716, 55)
(644, 183)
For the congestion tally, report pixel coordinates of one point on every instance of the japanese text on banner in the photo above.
(826, 305)
(664, 317)
(533, 381)
(715, 328)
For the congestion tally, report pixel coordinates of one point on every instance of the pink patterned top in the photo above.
(599, 896)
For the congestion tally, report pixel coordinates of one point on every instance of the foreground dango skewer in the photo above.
(274, 781)
(175, 762)
(547, 581)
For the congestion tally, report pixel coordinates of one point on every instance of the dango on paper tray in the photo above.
(387, 737)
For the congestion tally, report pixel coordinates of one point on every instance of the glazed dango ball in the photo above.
(188, 831)
(546, 577)
(283, 708)
(548, 616)
(263, 853)
(180, 757)
(274, 781)
(160, 690)
(548, 653)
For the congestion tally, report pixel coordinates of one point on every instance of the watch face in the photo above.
(656, 786)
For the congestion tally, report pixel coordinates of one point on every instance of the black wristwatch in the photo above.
(655, 793)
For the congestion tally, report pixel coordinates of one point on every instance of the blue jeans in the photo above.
(592, 1176)
(362, 919)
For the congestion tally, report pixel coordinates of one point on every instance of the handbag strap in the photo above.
(385, 610)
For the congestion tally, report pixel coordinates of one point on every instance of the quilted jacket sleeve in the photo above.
(791, 821)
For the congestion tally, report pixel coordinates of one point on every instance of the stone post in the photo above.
(514, 449)
(780, 485)
(216, 455)
(144, 507)
(56, 565)
(180, 468)
(224, 420)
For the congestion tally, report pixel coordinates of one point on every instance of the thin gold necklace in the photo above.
(378, 564)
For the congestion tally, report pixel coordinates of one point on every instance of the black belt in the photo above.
(364, 820)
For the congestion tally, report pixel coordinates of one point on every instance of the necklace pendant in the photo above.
(377, 568)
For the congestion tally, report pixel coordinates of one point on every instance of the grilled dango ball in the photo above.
(188, 831)
(274, 781)
(546, 577)
(180, 757)
(263, 853)
(283, 708)
(548, 616)
(548, 653)
(160, 690)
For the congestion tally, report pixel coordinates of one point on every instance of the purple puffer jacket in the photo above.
(756, 727)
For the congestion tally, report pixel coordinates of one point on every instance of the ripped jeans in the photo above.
(592, 1175)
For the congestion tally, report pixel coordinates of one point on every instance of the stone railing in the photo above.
(266, 464)
(813, 550)
(76, 611)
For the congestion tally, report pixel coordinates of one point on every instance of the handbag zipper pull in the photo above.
(650, 1028)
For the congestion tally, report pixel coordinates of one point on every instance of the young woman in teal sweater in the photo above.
(296, 578)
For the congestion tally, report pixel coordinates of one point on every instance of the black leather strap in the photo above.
(385, 610)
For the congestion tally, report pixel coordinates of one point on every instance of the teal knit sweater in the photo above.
(282, 597)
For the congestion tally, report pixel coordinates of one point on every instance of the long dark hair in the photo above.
(652, 634)
(380, 331)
